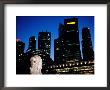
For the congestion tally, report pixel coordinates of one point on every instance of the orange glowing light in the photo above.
(18, 40)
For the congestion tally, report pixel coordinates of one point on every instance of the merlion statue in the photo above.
(36, 65)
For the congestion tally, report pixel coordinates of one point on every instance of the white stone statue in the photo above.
(36, 65)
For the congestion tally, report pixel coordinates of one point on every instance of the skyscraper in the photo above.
(44, 42)
(19, 50)
(87, 49)
(57, 57)
(20, 65)
(68, 40)
(71, 38)
(44, 39)
(32, 43)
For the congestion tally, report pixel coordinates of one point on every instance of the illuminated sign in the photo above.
(71, 22)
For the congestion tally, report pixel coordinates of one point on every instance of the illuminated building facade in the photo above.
(68, 45)
(44, 42)
(72, 67)
(87, 49)
(44, 39)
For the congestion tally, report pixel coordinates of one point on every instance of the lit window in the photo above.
(70, 64)
(47, 53)
(54, 66)
(89, 62)
(63, 65)
(71, 22)
(57, 48)
(85, 62)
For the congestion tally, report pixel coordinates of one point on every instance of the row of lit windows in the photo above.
(75, 69)
(63, 65)
(20, 55)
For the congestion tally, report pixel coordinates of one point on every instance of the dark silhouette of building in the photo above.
(57, 57)
(32, 47)
(87, 49)
(20, 63)
(19, 50)
(67, 46)
(44, 42)
(32, 44)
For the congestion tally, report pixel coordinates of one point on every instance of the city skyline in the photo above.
(27, 26)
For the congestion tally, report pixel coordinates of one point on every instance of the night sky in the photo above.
(27, 26)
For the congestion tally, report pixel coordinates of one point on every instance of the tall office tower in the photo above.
(19, 50)
(20, 65)
(69, 45)
(44, 39)
(87, 49)
(32, 44)
(61, 30)
(57, 51)
(71, 37)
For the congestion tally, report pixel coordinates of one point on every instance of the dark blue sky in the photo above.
(27, 26)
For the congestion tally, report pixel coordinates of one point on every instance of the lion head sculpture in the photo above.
(36, 65)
